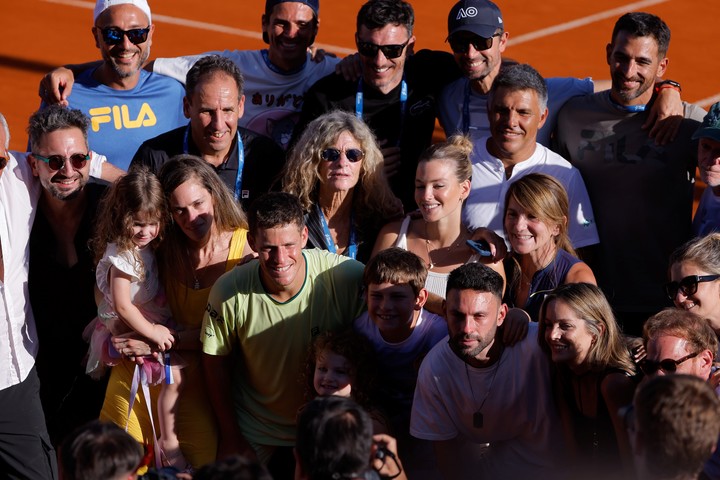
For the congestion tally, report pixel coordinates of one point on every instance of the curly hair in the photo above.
(373, 201)
(359, 354)
(137, 195)
(589, 303)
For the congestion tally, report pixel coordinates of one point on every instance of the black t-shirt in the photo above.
(63, 303)
(264, 160)
(426, 73)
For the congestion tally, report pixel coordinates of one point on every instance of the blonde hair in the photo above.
(456, 149)
(373, 201)
(703, 252)
(544, 197)
(137, 194)
(589, 303)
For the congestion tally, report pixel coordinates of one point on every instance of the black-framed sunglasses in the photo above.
(461, 43)
(352, 154)
(688, 285)
(668, 365)
(57, 162)
(114, 35)
(369, 49)
(3, 162)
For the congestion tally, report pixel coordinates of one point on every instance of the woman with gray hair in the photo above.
(336, 169)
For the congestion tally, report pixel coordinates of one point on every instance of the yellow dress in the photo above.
(195, 420)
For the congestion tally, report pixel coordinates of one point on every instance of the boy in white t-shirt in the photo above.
(401, 333)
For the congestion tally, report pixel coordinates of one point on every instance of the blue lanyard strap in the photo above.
(241, 162)
(466, 110)
(359, 100)
(352, 244)
(628, 108)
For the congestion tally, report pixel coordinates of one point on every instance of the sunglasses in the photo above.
(668, 365)
(3, 162)
(369, 49)
(688, 285)
(461, 44)
(57, 162)
(114, 36)
(333, 154)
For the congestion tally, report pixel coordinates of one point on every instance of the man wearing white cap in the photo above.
(126, 104)
(276, 78)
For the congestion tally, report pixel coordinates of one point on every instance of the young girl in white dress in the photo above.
(130, 297)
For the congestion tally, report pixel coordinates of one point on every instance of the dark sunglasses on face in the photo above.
(668, 365)
(114, 36)
(56, 162)
(688, 285)
(461, 44)
(369, 49)
(352, 154)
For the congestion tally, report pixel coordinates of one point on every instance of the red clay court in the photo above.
(558, 37)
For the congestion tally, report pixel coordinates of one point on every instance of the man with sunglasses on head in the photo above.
(396, 94)
(62, 266)
(126, 104)
(678, 341)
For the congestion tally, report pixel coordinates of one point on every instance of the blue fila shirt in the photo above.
(121, 120)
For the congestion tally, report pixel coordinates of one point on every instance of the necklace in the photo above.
(430, 264)
(478, 415)
(196, 280)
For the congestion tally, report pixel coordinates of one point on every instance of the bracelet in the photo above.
(667, 84)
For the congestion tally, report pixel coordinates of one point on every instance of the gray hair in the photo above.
(209, 65)
(520, 76)
(53, 118)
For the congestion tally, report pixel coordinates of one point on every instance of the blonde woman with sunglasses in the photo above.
(336, 169)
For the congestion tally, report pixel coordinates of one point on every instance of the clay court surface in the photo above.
(558, 37)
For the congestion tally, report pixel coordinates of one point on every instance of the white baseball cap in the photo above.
(103, 5)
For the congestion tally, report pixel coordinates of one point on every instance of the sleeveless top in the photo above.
(436, 282)
(550, 277)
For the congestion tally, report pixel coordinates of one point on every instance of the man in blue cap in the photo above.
(707, 217)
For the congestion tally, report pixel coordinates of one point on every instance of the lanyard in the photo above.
(352, 244)
(466, 110)
(241, 162)
(403, 104)
(628, 108)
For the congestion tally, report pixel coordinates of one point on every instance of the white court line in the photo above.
(580, 22)
(206, 26)
(346, 51)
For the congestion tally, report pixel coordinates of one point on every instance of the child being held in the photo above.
(130, 223)
(342, 364)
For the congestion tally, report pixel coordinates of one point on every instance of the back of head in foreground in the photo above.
(676, 427)
(99, 451)
(334, 440)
